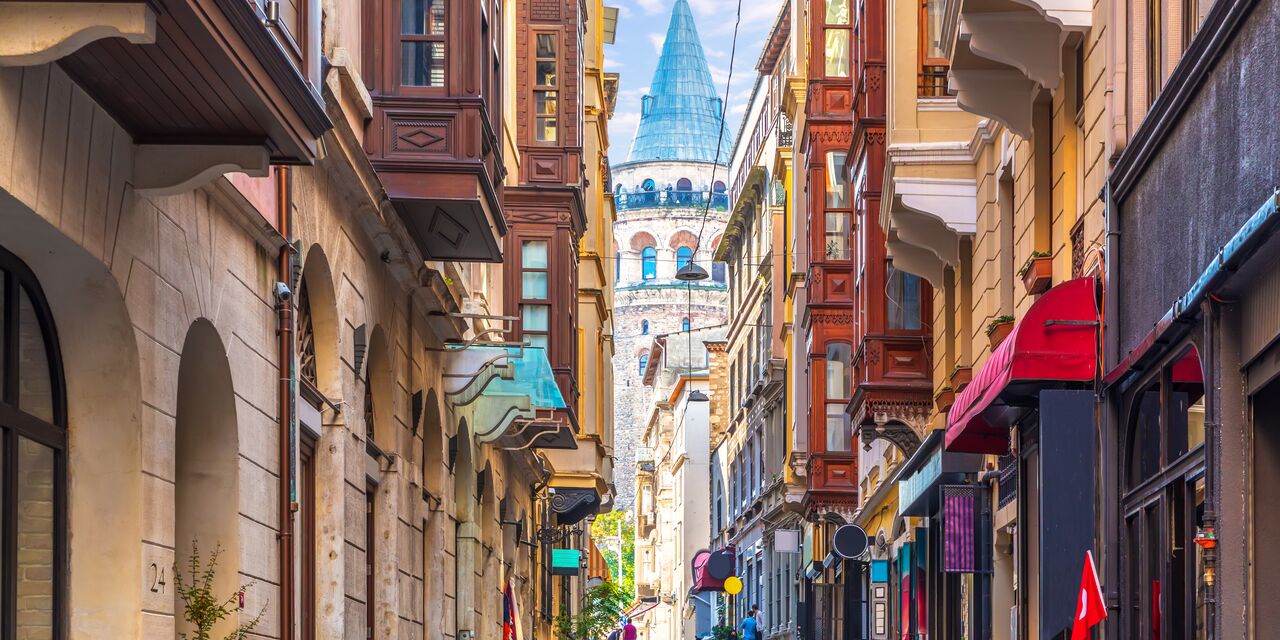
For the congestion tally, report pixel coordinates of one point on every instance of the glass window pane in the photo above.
(545, 74)
(534, 285)
(837, 53)
(684, 255)
(837, 12)
(904, 301)
(422, 64)
(838, 432)
(35, 389)
(533, 254)
(837, 181)
(36, 543)
(934, 14)
(537, 340)
(546, 129)
(837, 235)
(546, 45)
(422, 17)
(1186, 417)
(838, 382)
(546, 102)
(535, 317)
(3, 339)
(1144, 443)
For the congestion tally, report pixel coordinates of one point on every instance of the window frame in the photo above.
(839, 403)
(523, 301)
(16, 424)
(648, 263)
(831, 172)
(554, 89)
(394, 22)
(925, 87)
(820, 42)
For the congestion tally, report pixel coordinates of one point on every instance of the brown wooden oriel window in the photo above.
(546, 93)
(836, 39)
(535, 292)
(422, 43)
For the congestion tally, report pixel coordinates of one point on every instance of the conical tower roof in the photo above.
(680, 117)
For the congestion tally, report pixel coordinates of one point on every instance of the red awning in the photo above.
(1054, 345)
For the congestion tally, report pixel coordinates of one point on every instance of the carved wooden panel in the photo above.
(409, 135)
(546, 169)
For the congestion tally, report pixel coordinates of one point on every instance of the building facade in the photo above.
(259, 265)
(672, 200)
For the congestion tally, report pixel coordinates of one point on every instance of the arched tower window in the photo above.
(684, 184)
(719, 186)
(684, 255)
(684, 324)
(648, 184)
(644, 327)
(644, 362)
(33, 434)
(649, 263)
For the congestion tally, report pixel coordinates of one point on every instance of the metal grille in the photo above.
(306, 339)
(966, 529)
(1007, 482)
(932, 82)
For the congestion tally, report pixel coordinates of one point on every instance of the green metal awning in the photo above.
(510, 396)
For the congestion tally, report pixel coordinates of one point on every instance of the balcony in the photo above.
(1006, 51)
(671, 199)
(203, 87)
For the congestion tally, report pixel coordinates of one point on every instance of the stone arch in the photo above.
(318, 288)
(381, 386)
(684, 184)
(103, 387)
(436, 518)
(642, 239)
(683, 238)
(467, 529)
(715, 243)
(434, 445)
(206, 465)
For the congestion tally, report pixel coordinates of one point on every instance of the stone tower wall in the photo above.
(663, 301)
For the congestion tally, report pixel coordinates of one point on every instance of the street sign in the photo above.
(850, 541)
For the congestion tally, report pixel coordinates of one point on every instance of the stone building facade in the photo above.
(672, 204)
(236, 329)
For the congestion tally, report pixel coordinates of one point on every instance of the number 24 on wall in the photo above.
(157, 578)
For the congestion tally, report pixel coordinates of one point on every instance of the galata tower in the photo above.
(672, 201)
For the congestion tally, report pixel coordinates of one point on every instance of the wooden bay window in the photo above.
(836, 39)
(546, 94)
(535, 296)
(422, 43)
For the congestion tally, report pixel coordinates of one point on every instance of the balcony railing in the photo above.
(641, 199)
(932, 82)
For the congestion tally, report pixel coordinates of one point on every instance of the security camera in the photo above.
(282, 292)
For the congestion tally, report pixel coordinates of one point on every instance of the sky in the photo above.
(642, 25)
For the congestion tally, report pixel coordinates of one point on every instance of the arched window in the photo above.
(33, 434)
(644, 362)
(644, 327)
(684, 184)
(649, 263)
(617, 266)
(648, 184)
(839, 431)
(684, 255)
(719, 186)
(684, 324)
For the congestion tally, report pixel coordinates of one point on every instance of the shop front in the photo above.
(1033, 404)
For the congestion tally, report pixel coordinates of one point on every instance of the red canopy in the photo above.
(1053, 345)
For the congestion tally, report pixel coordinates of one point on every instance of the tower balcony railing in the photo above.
(671, 198)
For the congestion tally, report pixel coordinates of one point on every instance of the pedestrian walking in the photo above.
(750, 625)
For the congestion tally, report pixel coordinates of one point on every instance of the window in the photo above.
(306, 339)
(839, 384)
(545, 93)
(718, 272)
(648, 185)
(903, 300)
(836, 39)
(306, 535)
(32, 437)
(684, 324)
(1163, 502)
(644, 362)
(535, 307)
(644, 327)
(422, 43)
(684, 255)
(649, 263)
(933, 60)
(838, 212)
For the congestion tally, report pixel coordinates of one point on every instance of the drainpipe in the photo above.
(1209, 357)
(1109, 528)
(286, 398)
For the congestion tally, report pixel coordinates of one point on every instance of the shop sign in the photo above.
(565, 562)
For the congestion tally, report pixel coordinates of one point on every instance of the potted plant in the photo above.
(944, 398)
(961, 376)
(1037, 272)
(999, 329)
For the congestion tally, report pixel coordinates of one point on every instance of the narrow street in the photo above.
(639, 320)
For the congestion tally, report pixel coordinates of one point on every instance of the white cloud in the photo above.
(656, 39)
(652, 6)
(717, 53)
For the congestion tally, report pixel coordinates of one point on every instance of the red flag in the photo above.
(1090, 609)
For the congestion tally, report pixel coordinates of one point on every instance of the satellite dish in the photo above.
(850, 541)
